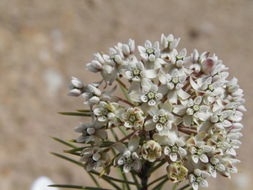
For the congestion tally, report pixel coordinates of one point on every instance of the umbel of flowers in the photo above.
(175, 109)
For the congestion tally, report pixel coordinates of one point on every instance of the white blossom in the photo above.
(161, 105)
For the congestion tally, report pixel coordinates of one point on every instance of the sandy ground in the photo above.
(44, 42)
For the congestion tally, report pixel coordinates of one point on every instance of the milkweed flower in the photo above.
(177, 108)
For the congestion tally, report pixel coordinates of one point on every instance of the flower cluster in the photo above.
(174, 108)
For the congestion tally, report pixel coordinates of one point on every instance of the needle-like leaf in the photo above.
(76, 114)
(77, 187)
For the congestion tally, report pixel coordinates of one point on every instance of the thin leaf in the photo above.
(160, 185)
(84, 111)
(124, 90)
(123, 130)
(77, 187)
(184, 187)
(114, 134)
(75, 114)
(125, 178)
(136, 180)
(112, 178)
(158, 179)
(75, 149)
(68, 159)
(80, 164)
(175, 186)
(64, 142)
(94, 179)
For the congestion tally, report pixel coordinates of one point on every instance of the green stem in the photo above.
(144, 175)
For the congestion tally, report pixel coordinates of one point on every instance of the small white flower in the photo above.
(76, 87)
(91, 132)
(106, 112)
(199, 150)
(175, 151)
(129, 155)
(161, 120)
(198, 179)
(169, 42)
(151, 150)
(94, 158)
(133, 118)
(149, 52)
(152, 96)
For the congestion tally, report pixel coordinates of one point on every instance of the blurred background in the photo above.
(45, 42)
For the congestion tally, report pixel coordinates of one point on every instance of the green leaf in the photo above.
(158, 179)
(77, 187)
(64, 142)
(83, 110)
(136, 180)
(94, 179)
(184, 187)
(75, 149)
(68, 159)
(82, 165)
(75, 114)
(160, 185)
(124, 89)
(112, 178)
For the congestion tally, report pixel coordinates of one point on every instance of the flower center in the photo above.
(196, 108)
(221, 119)
(175, 80)
(150, 51)
(174, 149)
(151, 95)
(136, 72)
(163, 119)
(132, 118)
(210, 87)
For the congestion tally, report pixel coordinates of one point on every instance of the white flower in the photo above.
(161, 120)
(175, 151)
(169, 42)
(133, 118)
(149, 52)
(91, 132)
(76, 87)
(175, 80)
(220, 119)
(129, 48)
(129, 155)
(151, 150)
(92, 94)
(199, 150)
(106, 112)
(94, 158)
(176, 108)
(149, 95)
(198, 179)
